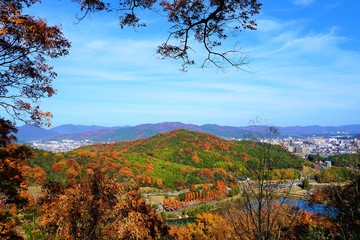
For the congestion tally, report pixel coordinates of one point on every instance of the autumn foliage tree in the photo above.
(259, 213)
(13, 184)
(274, 220)
(26, 43)
(98, 208)
(12, 159)
(207, 226)
(79, 212)
(342, 202)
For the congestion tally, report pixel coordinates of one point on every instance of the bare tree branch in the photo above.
(210, 22)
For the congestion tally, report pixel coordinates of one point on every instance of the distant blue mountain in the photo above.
(70, 129)
(28, 133)
(319, 130)
(117, 134)
(113, 134)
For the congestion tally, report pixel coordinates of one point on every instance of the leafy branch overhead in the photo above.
(209, 22)
(25, 44)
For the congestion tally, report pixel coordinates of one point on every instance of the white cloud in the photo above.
(316, 42)
(294, 72)
(266, 25)
(270, 25)
(303, 2)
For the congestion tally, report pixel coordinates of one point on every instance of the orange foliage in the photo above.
(204, 187)
(208, 226)
(149, 168)
(14, 160)
(63, 163)
(314, 220)
(39, 174)
(8, 223)
(184, 169)
(180, 233)
(306, 221)
(56, 167)
(190, 198)
(180, 152)
(143, 179)
(206, 172)
(320, 195)
(221, 171)
(126, 172)
(127, 162)
(71, 173)
(96, 207)
(286, 174)
(171, 204)
(221, 187)
(179, 184)
(223, 146)
(72, 182)
(245, 156)
(93, 166)
(13, 167)
(59, 156)
(276, 173)
(26, 44)
(74, 164)
(188, 150)
(195, 158)
(158, 182)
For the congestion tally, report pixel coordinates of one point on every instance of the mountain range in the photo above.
(116, 134)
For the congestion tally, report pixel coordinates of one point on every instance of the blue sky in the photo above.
(304, 69)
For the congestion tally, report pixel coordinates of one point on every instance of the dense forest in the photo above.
(172, 160)
(99, 192)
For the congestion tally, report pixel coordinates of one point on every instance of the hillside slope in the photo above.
(172, 159)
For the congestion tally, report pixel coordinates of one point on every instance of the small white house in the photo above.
(327, 164)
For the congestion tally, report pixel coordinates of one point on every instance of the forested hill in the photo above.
(172, 160)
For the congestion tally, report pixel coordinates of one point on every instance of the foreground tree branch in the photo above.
(26, 43)
(209, 22)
